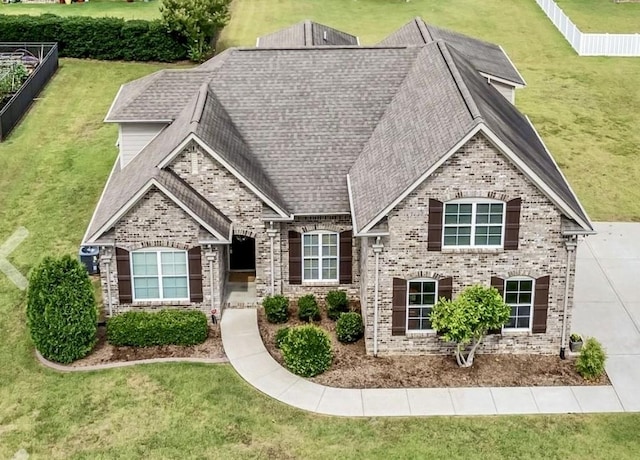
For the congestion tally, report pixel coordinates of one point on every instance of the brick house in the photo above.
(400, 173)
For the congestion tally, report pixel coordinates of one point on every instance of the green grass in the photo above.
(113, 8)
(55, 163)
(603, 15)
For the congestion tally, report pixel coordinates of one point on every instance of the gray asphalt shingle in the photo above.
(306, 33)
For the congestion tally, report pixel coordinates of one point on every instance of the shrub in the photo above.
(281, 336)
(97, 38)
(61, 309)
(308, 309)
(167, 327)
(349, 327)
(590, 363)
(276, 308)
(307, 350)
(337, 303)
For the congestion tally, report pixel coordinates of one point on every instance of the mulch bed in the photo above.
(104, 352)
(353, 368)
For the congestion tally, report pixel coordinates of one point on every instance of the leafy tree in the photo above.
(197, 21)
(61, 309)
(467, 319)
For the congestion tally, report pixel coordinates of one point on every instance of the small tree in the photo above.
(197, 21)
(61, 309)
(468, 318)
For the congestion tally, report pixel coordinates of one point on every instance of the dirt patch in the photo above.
(104, 352)
(353, 368)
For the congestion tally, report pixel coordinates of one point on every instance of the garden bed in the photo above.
(104, 352)
(353, 368)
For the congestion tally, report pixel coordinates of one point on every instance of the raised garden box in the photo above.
(24, 70)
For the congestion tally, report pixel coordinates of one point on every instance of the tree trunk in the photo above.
(467, 360)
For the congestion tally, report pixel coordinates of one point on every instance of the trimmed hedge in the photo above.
(276, 308)
(337, 303)
(167, 327)
(61, 309)
(307, 350)
(308, 309)
(349, 327)
(96, 38)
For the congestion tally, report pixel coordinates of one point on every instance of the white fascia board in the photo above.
(165, 120)
(513, 65)
(353, 211)
(192, 137)
(321, 214)
(522, 166)
(422, 178)
(113, 168)
(501, 80)
(113, 103)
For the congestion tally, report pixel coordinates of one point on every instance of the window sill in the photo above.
(472, 250)
(522, 332)
(161, 303)
(420, 334)
(320, 283)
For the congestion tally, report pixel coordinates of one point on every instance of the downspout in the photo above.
(212, 288)
(271, 232)
(571, 245)
(377, 249)
(110, 303)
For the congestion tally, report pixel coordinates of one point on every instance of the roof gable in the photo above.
(306, 33)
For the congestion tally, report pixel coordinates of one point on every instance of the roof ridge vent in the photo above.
(199, 106)
(462, 87)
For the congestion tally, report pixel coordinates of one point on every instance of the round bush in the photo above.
(281, 336)
(61, 309)
(349, 327)
(307, 350)
(337, 303)
(308, 309)
(276, 308)
(590, 363)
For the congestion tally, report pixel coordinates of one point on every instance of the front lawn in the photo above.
(603, 16)
(113, 8)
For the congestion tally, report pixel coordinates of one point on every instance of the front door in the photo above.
(243, 254)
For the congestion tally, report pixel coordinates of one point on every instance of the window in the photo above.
(473, 224)
(320, 256)
(159, 275)
(518, 294)
(421, 297)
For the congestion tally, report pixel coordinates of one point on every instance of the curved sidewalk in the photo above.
(247, 354)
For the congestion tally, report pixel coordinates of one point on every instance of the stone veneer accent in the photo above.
(477, 170)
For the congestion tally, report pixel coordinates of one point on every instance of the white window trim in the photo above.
(475, 202)
(320, 257)
(406, 324)
(509, 330)
(157, 251)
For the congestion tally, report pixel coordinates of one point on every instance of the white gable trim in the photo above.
(95, 210)
(509, 83)
(138, 196)
(353, 214)
(113, 103)
(192, 137)
(513, 65)
(421, 179)
(555, 199)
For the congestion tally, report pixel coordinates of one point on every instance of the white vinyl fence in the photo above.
(590, 44)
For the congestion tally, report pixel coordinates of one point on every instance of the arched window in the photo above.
(518, 294)
(320, 256)
(473, 222)
(159, 274)
(422, 294)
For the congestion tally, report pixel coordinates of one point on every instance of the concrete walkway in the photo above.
(608, 264)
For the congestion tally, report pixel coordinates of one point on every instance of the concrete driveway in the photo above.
(607, 302)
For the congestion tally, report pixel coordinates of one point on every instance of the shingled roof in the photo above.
(485, 57)
(306, 33)
(295, 123)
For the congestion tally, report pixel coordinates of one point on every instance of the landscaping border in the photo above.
(97, 367)
(17, 106)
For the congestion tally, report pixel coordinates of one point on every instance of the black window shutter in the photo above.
(124, 276)
(541, 305)
(497, 283)
(346, 264)
(445, 288)
(399, 313)
(195, 274)
(512, 224)
(434, 235)
(295, 258)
